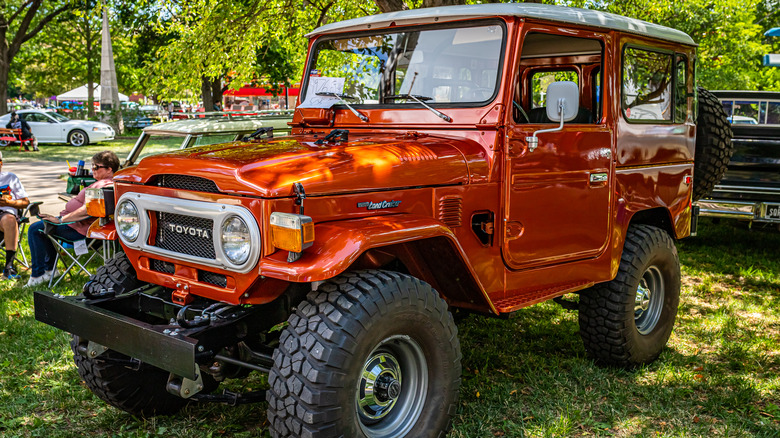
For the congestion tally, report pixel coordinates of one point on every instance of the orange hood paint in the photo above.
(269, 168)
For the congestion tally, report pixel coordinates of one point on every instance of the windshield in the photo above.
(452, 65)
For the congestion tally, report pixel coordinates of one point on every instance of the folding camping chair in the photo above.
(23, 220)
(11, 136)
(76, 254)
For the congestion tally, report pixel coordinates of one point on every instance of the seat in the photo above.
(76, 254)
(23, 219)
(10, 136)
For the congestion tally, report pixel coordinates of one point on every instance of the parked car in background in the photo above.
(750, 189)
(213, 129)
(49, 127)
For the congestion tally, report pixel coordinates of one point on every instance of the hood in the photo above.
(269, 168)
(85, 123)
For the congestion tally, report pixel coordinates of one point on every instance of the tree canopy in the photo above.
(170, 48)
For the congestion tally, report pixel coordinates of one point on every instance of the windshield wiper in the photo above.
(419, 99)
(343, 98)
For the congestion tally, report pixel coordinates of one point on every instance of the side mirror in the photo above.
(563, 96)
(563, 104)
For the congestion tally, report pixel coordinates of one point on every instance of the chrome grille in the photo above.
(212, 278)
(185, 182)
(172, 235)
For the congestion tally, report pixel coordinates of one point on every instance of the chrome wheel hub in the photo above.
(380, 386)
(649, 300)
(392, 388)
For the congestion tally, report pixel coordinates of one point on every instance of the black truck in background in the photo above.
(750, 188)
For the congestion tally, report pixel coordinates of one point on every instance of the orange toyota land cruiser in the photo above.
(472, 158)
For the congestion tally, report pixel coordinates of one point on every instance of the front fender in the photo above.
(337, 245)
(429, 249)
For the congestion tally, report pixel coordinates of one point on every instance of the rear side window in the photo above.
(647, 85)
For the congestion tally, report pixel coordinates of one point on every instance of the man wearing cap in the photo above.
(12, 199)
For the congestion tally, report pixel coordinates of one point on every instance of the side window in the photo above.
(773, 113)
(745, 112)
(546, 58)
(647, 85)
(681, 89)
(728, 106)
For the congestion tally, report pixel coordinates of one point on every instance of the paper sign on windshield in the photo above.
(322, 85)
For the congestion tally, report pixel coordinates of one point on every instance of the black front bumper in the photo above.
(159, 345)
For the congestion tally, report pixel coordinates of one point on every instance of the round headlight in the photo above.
(236, 240)
(127, 221)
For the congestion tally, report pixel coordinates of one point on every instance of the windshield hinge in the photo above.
(342, 134)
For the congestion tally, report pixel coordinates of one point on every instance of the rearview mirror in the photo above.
(563, 96)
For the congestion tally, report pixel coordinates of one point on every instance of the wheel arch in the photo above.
(400, 242)
(659, 217)
(72, 130)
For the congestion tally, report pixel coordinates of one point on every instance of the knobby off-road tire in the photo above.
(139, 392)
(117, 274)
(626, 322)
(355, 343)
(713, 144)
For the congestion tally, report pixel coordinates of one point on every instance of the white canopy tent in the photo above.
(80, 94)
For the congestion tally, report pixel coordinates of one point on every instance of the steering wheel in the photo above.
(522, 111)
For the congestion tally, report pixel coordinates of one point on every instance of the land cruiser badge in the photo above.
(378, 205)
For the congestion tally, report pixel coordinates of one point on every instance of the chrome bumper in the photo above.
(741, 210)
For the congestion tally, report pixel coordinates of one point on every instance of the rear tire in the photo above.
(369, 354)
(713, 145)
(626, 322)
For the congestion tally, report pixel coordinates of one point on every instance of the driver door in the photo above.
(558, 196)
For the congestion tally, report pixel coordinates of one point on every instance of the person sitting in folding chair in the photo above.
(17, 122)
(12, 199)
(72, 223)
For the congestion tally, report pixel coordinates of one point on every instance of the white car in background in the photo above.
(50, 127)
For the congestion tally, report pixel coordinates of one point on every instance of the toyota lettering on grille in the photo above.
(192, 231)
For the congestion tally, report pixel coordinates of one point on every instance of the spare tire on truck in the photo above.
(713, 144)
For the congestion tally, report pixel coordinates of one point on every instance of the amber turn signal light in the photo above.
(96, 203)
(291, 232)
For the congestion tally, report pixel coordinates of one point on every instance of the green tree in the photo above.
(20, 21)
(731, 45)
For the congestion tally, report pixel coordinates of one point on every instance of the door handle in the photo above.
(596, 178)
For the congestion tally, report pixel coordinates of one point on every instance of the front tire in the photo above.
(369, 354)
(139, 392)
(78, 138)
(626, 322)
(117, 274)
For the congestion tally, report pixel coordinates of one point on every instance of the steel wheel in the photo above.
(649, 300)
(392, 389)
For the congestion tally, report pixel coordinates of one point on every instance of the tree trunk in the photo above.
(90, 69)
(205, 89)
(5, 68)
(216, 93)
(391, 5)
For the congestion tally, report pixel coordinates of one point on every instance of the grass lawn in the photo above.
(525, 376)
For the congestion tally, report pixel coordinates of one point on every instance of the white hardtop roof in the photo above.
(561, 14)
(220, 125)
